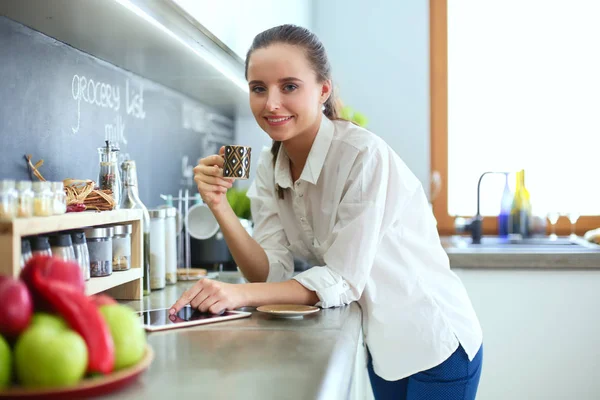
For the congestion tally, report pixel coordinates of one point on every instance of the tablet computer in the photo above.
(160, 319)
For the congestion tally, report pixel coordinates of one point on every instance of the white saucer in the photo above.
(287, 310)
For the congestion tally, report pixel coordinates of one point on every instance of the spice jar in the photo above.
(121, 244)
(24, 199)
(62, 246)
(59, 198)
(40, 246)
(25, 252)
(8, 199)
(171, 245)
(109, 177)
(42, 200)
(157, 249)
(99, 243)
(81, 253)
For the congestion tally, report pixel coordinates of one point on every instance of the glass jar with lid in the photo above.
(8, 199)
(62, 246)
(59, 198)
(43, 199)
(157, 249)
(40, 245)
(99, 243)
(109, 177)
(121, 247)
(25, 251)
(81, 252)
(25, 199)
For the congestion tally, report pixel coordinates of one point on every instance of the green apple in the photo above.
(49, 321)
(47, 355)
(127, 332)
(5, 363)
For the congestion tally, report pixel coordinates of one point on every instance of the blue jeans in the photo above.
(457, 378)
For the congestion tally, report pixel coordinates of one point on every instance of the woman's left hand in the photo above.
(208, 295)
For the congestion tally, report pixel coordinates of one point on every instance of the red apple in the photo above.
(16, 307)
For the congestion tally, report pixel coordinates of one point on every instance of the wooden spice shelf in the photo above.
(124, 285)
(101, 284)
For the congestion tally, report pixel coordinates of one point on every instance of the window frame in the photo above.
(438, 87)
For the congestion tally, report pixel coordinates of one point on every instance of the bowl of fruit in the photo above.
(58, 343)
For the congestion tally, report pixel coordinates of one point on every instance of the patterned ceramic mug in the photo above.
(237, 162)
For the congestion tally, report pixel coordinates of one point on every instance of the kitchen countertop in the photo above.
(520, 256)
(259, 357)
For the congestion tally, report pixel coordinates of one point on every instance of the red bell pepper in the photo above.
(80, 312)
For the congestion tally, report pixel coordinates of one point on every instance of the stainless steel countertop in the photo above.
(260, 357)
(569, 257)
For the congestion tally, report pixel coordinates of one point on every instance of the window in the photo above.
(516, 84)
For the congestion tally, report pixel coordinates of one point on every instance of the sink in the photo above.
(532, 244)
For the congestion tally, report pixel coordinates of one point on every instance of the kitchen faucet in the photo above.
(476, 223)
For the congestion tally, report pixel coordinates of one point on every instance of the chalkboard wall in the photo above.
(60, 104)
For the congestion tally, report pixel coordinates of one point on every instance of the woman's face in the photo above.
(285, 95)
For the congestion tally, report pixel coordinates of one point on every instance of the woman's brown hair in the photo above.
(316, 55)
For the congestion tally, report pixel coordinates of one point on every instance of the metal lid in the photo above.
(41, 186)
(23, 185)
(98, 233)
(39, 243)
(122, 230)
(158, 213)
(61, 240)
(25, 246)
(78, 237)
(171, 212)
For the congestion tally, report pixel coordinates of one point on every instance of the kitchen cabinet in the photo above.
(235, 23)
(153, 39)
(541, 332)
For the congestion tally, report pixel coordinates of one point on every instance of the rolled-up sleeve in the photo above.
(363, 216)
(268, 231)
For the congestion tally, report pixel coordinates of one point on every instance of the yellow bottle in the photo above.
(521, 208)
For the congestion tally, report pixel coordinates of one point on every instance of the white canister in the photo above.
(171, 245)
(157, 249)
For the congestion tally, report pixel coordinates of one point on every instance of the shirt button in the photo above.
(301, 194)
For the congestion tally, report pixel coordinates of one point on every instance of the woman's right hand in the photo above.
(208, 175)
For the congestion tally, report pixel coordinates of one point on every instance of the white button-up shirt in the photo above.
(361, 217)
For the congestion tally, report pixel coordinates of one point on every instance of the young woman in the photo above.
(337, 195)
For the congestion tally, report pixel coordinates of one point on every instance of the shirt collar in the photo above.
(314, 162)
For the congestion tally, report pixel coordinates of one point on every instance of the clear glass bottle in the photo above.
(25, 200)
(121, 247)
(42, 200)
(99, 243)
(25, 251)
(59, 203)
(81, 252)
(8, 199)
(40, 246)
(131, 200)
(157, 249)
(62, 246)
(109, 177)
(504, 222)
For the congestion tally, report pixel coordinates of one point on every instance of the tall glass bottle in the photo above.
(131, 200)
(521, 208)
(505, 207)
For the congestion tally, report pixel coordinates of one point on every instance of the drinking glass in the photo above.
(573, 217)
(553, 217)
